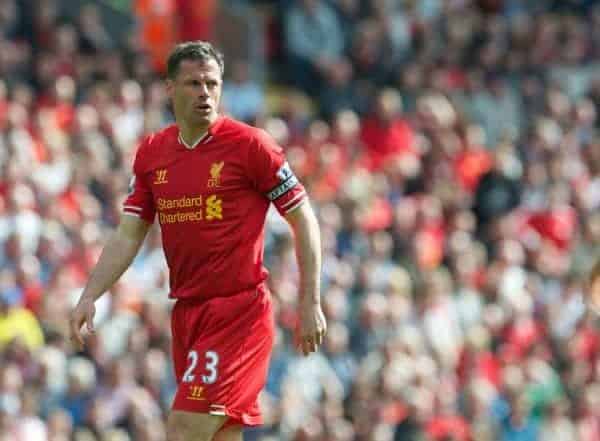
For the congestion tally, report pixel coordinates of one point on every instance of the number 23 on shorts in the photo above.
(211, 366)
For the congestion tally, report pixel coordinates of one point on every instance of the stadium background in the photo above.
(451, 150)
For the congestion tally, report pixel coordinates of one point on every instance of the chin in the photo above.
(203, 119)
(212, 117)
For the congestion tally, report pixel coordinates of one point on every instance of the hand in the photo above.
(311, 328)
(83, 313)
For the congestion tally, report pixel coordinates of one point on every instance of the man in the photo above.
(211, 180)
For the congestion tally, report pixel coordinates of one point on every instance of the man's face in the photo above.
(196, 92)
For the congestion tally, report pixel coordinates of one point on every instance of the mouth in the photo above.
(203, 108)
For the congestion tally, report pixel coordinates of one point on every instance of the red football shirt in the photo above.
(211, 200)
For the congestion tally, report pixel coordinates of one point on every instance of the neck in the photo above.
(192, 133)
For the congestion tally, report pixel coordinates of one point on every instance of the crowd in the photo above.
(451, 151)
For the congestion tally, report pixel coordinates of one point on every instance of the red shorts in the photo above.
(221, 352)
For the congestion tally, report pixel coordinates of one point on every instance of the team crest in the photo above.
(284, 172)
(215, 174)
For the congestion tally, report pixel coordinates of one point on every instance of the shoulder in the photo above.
(160, 139)
(155, 142)
(252, 137)
(236, 129)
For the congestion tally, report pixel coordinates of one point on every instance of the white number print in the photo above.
(211, 366)
(212, 362)
(188, 377)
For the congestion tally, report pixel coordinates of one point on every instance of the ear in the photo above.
(170, 87)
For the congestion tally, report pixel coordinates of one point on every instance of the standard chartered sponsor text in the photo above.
(183, 202)
(189, 209)
(180, 216)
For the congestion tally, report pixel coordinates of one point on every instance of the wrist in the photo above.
(310, 300)
(86, 298)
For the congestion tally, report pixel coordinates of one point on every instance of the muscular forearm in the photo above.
(117, 255)
(307, 241)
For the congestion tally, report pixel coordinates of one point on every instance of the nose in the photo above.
(203, 90)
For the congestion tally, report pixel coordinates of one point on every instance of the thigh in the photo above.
(229, 433)
(189, 426)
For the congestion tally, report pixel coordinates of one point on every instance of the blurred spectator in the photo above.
(94, 37)
(77, 398)
(315, 42)
(158, 28)
(242, 97)
(518, 426)
(338, 92)
(386, 135)
(342, 359)
(17, 322)
(497, 109)
(196, 20)
(349, 13)
(558, 426)
(498, 191)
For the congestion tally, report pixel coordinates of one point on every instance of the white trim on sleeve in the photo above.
(129, 213)
(294, 199)
(293, 207)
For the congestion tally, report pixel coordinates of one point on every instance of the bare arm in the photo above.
(307, 241)
(118, 253)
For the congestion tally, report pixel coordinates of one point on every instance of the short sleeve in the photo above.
(139, 201)
(273, 176)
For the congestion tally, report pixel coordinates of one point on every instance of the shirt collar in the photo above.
(206, 137)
